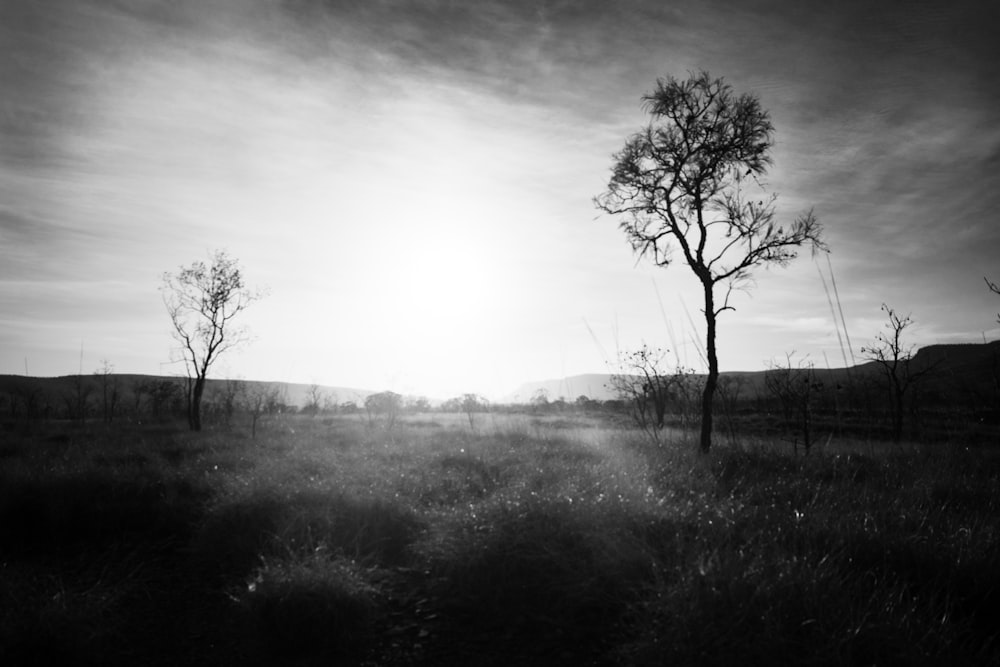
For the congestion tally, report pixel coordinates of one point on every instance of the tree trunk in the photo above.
(194, 416)
(713, 370)
(897, 415)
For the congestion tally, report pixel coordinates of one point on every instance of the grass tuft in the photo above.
(238, 532)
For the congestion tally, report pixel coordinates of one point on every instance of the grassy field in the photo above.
(520, 540)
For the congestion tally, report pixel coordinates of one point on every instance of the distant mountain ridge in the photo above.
(959, 370)
(295, 393)
(959, 367)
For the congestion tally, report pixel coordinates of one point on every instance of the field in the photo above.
(516, 540)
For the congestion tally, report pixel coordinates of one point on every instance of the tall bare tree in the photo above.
(692, 179)
(202, 301)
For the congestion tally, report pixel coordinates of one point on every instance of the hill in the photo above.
(58, 390)
(959, 371)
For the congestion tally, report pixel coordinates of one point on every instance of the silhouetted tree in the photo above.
(796, 388)
(419, 404)
(260, 398)
(109, 390)
(314, 400)
(645, 386)
(688, 180)
(471, 404)
(162, 393)
(896, 361)
(453, 404)
(202, 301)
(78, 402)
(540, 399)
(30, 398)
(386, 404)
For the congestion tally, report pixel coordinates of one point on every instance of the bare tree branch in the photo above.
(995, 289)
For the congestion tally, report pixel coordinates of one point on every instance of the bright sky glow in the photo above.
(412, 182)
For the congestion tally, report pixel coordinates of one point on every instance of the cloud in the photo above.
(322, 142)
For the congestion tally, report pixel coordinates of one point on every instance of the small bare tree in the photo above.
(540, 399)
(645, 386)
(796, 387)
(692, 179)
(418, 404)
(32, 399)
(202, 301)
(387, 405)
(314, 400)
(259, 399)
(78, 402)
(896, 361)
(162, 394)
(471, 404)
(109, 390)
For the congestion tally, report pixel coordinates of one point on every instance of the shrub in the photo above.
(309, 605)
(238, 532)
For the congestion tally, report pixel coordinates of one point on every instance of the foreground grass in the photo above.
(516, 541)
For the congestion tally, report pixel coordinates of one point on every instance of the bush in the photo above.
(237, 533)
(309, 605)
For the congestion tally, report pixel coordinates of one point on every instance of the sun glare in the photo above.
(435, 278)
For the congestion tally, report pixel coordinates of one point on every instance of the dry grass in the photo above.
(524, 539)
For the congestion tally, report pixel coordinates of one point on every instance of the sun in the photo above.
(428, 258)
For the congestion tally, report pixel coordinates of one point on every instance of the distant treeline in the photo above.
(958, 395)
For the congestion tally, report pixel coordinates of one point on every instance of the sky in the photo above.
(413, 182)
